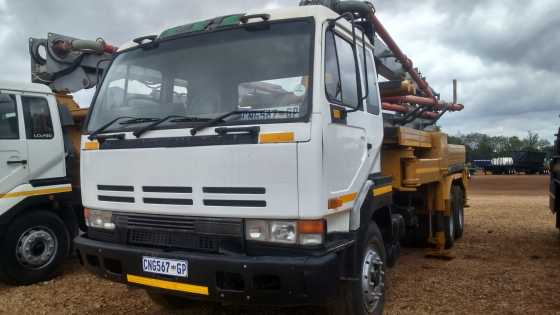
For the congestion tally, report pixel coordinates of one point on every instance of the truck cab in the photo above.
(239, 160)
(555, 180)
(37, 220)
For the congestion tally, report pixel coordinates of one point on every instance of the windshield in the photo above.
(211, 74)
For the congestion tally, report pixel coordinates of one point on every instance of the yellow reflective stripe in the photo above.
(348, 198)
(38, 192)
(279, 137)
(162, 284)
(382, 190)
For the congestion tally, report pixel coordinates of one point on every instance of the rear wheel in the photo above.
(33, 248)
(449, 222)
(367, 296)
(459, 210)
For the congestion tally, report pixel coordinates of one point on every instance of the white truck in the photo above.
(40, 128)
(246, 159)
(39, 210)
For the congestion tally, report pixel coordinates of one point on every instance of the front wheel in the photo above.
(366, 296)
(33, 248)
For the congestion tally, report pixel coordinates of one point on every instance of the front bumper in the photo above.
(236, 279)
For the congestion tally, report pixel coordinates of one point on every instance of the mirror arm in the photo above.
(365, 67)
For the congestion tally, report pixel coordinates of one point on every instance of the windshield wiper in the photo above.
(131, 120)
(178, 118)
(221, 118)
(138, 121)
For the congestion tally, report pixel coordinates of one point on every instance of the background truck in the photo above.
(501, 166)
(256, 159)
(526, 161)
(555, 180)
(40, 128)
(529, 162)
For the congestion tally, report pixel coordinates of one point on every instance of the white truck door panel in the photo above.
(13, 149)
(346, 151)
(44, 137)
(352, 143)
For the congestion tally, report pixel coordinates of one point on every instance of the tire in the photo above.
(168, 301)
(418, 236)
(33, 249)
(354, 296)
(459, 210)
(449, 222)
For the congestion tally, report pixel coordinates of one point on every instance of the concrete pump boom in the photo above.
(393, 64)
(67, 64)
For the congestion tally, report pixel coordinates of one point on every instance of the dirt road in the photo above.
(508, 262)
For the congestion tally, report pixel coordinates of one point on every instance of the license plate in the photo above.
(168, 267)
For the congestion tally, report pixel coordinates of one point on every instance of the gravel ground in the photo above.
(506, 263)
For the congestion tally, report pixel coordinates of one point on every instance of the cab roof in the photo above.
(318, 12)
(24, 87)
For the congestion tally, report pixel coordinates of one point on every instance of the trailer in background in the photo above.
(501, 166)
(481, 164)
(526, 162)
(529, 162)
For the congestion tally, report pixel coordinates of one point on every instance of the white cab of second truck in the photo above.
(35, 230)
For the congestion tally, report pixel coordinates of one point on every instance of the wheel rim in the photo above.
(36, 248)
(373, 279)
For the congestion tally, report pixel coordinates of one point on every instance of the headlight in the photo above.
(283, 232)
(257, 230)
(305, 233)
(98, 219)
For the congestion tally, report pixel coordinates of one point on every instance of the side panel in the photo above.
(13, 148)
(27, 195)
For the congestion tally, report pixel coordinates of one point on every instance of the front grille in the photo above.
(158, 222)
(171, 239)
(176, 232)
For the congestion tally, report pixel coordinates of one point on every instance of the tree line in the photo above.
(484, 147)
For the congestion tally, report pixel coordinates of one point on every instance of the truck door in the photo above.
(44, 137)
(13, 148)
(353, 139)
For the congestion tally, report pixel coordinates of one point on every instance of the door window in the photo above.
(38, 122)
(8, 118)
(372, 101)
(340, 71)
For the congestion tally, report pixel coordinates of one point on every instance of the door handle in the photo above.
(24, 162)
(250, 130)
(369, 146)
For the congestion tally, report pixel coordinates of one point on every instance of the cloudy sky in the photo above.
(505, 54)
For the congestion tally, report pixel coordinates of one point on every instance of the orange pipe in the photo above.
(422, 101)
(404, 109)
